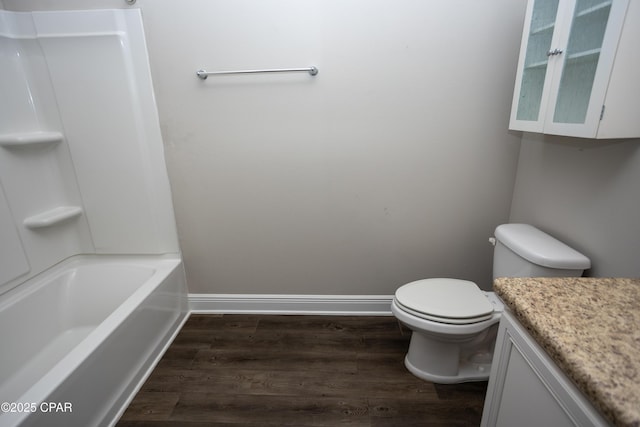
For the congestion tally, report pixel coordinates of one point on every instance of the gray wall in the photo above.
(393, 164)
(586, 193)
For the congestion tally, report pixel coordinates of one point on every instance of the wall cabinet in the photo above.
(527, 389)
(578, 67)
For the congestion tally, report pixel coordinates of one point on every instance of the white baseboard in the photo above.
(337, 305)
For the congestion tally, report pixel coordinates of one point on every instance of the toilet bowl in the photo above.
(454, 323)
(454, 326)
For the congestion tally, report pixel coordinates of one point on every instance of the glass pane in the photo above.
(535, 62)
(581, 60)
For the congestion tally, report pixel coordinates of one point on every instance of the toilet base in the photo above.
(445, 361)
(467, 372)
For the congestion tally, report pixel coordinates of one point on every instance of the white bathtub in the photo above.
(77, 341)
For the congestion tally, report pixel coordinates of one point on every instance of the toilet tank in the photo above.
(522, 250)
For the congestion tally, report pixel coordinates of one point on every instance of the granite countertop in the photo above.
(591, 328)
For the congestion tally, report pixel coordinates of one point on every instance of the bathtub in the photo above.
(77, 341)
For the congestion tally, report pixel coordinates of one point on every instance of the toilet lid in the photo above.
(446, 300)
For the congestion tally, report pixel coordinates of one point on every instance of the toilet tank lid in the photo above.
(538, 247)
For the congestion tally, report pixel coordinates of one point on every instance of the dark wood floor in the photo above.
(249, 370)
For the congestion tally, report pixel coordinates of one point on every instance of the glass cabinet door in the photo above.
(580, 58)
(536, 59)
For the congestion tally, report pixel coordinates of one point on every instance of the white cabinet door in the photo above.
(533, 68)
(526, 388)
(567, 59)
(524, 394)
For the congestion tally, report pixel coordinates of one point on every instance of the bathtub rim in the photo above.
(114, 416)
(32, 283)
(62, 369)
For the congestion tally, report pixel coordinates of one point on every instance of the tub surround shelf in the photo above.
(30, 139)
(52, 217)
(588, 327)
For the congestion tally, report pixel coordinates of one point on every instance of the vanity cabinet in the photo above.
(577, 70)
(527, 389)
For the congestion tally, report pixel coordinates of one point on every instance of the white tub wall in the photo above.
(33, 179)
(111, 160)
(106, 101)
(13, 260)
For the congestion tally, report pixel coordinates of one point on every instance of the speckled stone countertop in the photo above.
(591, 328)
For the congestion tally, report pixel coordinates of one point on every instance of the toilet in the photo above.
(454, 323)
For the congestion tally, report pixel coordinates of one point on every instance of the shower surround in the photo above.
(92, 284)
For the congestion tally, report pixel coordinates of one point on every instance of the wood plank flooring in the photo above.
(267, 370)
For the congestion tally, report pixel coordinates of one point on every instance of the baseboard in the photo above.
(337, 305)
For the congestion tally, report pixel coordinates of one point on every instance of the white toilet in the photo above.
(455, 323)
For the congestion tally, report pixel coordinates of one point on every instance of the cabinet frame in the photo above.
(512, 336)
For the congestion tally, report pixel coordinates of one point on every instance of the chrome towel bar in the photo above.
(203, 74)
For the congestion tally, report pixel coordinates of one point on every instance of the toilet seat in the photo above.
(451, 301)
